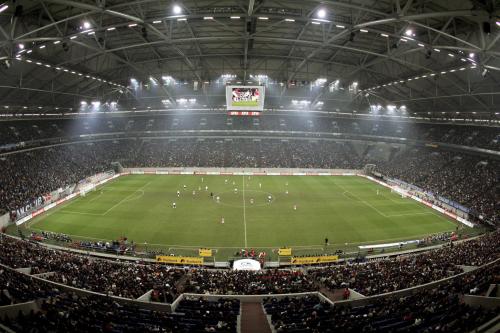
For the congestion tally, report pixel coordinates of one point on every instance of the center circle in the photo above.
(235, 199)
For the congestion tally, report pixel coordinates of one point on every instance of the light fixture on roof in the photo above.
(497, 23)
(384, 35)
(363, 30)
(42, 47)
(177, 9)
(86, 25)
(289, 20)
(340, 26)
(437, 50)
(131, 25)
(3, 7)
(208, 18)
(72, 37)
(321, 13)
(111, 29)
(234, 17)
(21, 46)
(472, 55)
(451, 55)
(157, 22)
(409, 32)
(263, 18)
(315, 22)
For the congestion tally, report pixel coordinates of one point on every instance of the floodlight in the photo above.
(177, 9)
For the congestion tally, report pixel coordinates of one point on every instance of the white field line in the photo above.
(244, 214)
(125, 199)
(382, 213)
(68, 211)
(78, 212)
(388, 197)
(430, 211)
(409, 214)
(97, 197)
(361, 200)
(381, 193)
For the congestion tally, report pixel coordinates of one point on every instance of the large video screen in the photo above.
(245, 98)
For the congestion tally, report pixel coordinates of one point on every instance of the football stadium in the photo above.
(250, 166)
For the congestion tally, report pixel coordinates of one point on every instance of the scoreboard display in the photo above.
(245, 100)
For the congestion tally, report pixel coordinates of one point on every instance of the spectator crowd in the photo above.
(56, 130)
(132, 280)
(438, 309)
(468, 180)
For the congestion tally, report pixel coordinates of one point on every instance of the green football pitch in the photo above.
(246, 103)
(258, 212)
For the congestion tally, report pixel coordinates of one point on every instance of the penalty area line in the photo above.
(244, 213)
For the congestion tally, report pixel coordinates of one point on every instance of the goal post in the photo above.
(369, 169)
(86, 189)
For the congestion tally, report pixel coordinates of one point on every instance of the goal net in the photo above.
(86, 189)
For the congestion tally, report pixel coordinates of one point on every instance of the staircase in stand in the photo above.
(253, 318)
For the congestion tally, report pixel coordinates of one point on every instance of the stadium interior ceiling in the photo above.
(437, 58)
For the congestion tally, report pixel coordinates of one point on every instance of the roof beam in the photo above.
(131, 18)
(251, 3)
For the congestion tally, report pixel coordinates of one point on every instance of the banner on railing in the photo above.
(285, 251)
(205, 252)
(314, 260)
(180, 260)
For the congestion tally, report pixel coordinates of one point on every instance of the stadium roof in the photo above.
(440, 55)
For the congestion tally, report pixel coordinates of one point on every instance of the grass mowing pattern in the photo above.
(346, 209)
(246, 103)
